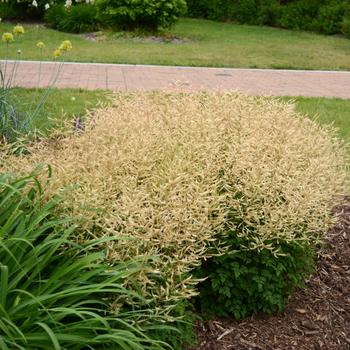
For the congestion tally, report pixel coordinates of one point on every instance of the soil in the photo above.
(95, 36)
(317, 317)
(157, 39)
(162, 39)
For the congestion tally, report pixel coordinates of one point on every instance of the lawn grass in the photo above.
(62, 104)
(207, 43)
(334, 111)
(65, 103)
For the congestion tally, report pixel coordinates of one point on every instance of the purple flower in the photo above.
(78, 124)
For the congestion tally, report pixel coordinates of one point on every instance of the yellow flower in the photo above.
(40, 45)
(7, 37)
(65, 46)
(18, 29)
(57, 53)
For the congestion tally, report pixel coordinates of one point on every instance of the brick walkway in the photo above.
(130, 77)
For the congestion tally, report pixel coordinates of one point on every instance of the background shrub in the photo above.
(345, 26)
(330, 17)
(242, 11)
(299, 14)
(201, 9)
(79, 18)
(324, 16)
(148, 14)
(185, 176)
(20, 10)
(269, 13)
(55, 15)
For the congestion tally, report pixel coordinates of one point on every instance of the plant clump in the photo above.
(146, 14)
(185, 177)
(55, 293)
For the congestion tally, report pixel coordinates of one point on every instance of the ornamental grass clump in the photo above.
(188, 177)
(55, 293)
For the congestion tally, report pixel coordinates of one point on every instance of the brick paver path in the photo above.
(131, 77)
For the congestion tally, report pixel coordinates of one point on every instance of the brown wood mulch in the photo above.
(317, 317)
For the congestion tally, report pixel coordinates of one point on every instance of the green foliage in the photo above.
(55, 15)
(20, 10)
(7, 11)
(345, 26)
(79, 18)
(330, 17)
(324, 16)
(201, 9)
(148, 14)
(269, 13)
(183, 335)
(243, 11)
(299, 14)
(245, 282)
(55, 293)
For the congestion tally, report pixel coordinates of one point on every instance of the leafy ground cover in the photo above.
(194, 42)
(317, 317)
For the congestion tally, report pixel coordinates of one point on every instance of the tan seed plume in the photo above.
(166, 170)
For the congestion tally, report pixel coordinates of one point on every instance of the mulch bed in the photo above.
(317, 317)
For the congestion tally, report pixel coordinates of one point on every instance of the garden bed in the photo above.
(225, 187)
(317, 317)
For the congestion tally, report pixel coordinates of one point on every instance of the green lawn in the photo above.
(65, 103)
(207, 44)
(334, 111)
(61, 104)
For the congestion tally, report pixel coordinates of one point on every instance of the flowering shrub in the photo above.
(187, 176)
(14, 122)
